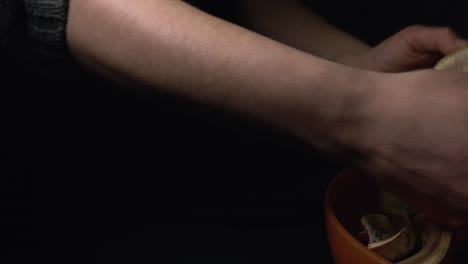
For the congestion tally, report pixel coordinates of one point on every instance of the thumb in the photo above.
(433, 39)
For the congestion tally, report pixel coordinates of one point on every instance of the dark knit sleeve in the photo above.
(46, 29)
(11, 24)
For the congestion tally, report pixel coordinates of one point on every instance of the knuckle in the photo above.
(448, 31)
(417, 28)
(414, 28)
(408, 33)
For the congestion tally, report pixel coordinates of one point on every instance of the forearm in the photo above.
(172, 46)
(294, 24)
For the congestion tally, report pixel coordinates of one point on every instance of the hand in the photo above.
(410, 132)
(413, 48)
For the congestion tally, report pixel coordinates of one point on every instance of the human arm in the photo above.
(402, 129)
(173, 47)
(291, 22)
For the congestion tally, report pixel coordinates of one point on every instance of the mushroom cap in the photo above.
(456, 61)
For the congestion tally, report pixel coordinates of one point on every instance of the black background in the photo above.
(103, 174)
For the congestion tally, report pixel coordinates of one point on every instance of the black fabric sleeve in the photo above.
(46, 26)
(33, 35)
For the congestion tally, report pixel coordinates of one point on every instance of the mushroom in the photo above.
(435, 244)
(393, 239)
(401, 235)
(457, 61)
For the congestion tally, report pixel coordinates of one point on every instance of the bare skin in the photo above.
(407, 130)
(189, 53)
(290, 22)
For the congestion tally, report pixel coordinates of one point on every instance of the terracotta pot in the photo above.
(349, 196)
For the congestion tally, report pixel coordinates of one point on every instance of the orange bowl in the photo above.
(349, 196)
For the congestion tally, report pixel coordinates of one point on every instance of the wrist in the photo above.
(362, 59)
(334, 107)
(357, 113)
(362, 111)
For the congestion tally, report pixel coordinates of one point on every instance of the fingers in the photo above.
(437, 210)
(432, 39)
